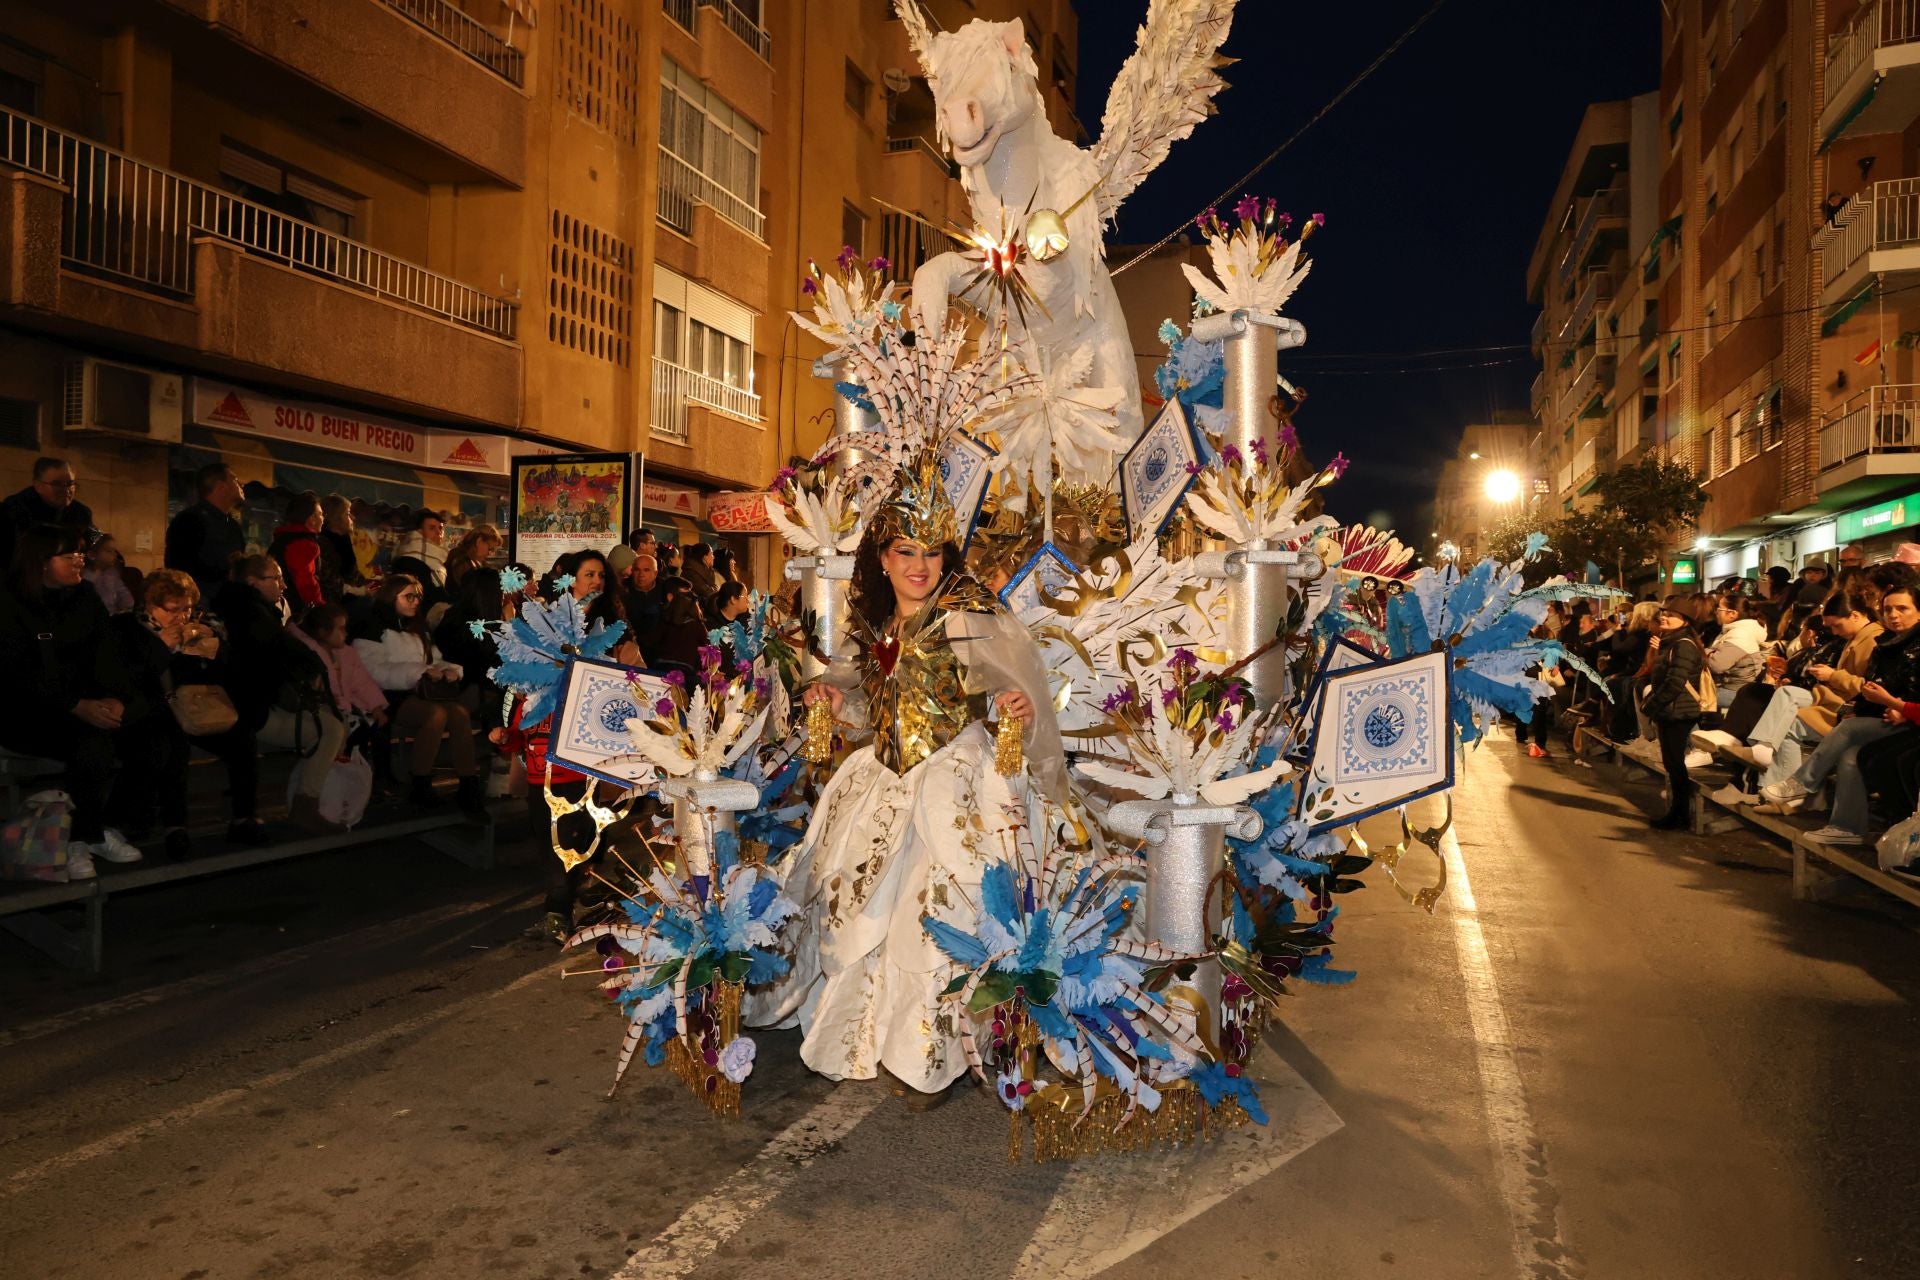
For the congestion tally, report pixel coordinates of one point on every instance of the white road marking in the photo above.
(80, 1017)
(1520, 1157)
(1105, 1211)
(122, 1138)
(716, 1218)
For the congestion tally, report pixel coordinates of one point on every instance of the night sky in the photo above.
(1434, 176)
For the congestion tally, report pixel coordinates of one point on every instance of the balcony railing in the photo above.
(132, 221)
(1542, 395)
(1878, 23)
(1599, 289)
(915, 143)
(1885, 216)
(1608, 204)
(1540, 331)
(1878, 420)
(738, 21)
(682, 186)
(681, 11)
(466, 35)
(674, 388)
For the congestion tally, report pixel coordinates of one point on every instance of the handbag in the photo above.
(201, 710)
(438, 690)
(34, 845)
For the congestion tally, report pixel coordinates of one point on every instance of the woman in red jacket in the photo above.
(296, 545)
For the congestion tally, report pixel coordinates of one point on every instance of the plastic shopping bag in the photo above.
(1899, 848)
(34, 845)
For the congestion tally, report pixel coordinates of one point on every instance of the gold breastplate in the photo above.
(921, 703)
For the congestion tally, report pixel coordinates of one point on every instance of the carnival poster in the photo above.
(571, 502)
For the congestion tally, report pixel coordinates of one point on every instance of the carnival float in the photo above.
(1046, 769)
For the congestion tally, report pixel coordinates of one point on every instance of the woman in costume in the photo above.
(907, 825)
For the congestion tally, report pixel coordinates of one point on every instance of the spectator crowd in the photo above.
(119, 676)
(1810, 682)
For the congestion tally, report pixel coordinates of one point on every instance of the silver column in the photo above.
(1180, 868)
(848, 418)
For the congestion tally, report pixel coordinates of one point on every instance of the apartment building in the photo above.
(1493, 475)
(379, 246)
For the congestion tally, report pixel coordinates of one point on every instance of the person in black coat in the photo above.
(52, 625)
(157, 648)
(477, 598)
(1678, 658)
(683, 629)
(48, 500)
(205, 538)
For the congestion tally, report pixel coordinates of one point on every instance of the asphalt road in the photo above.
(1609, 1053)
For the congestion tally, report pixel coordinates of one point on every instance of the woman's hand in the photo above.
(498, 737)
(1873, 691)
(1016, 704)
(817, 693)
(1893, 715)
(1820, 671)
(1653, 644)
(101, 713)
(200, 642)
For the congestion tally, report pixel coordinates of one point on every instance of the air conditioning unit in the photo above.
(123, 400)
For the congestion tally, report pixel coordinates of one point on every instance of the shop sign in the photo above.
(324, 426)
(739, 513)
(1882, 517)
(671, 500)
(1686, 571)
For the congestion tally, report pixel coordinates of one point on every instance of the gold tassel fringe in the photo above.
(705, 1082)
(1059, 1132)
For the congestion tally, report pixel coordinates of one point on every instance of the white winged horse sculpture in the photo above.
(991, 118)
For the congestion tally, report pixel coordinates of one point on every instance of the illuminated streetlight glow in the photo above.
(1449, 552)
(1503, 486)
(1474, 456)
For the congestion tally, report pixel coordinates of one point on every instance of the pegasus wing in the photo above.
(1164, 90)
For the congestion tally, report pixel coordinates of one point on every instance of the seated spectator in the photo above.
(422, 691)
(276, 684)
(1835, 679)
(683, 628)
(586, 578)
(48, 499)
(106, 573)
(476, 598)
(475, 550)
(670, 559)
(52, 627)
(1815, 585)
(1737, 656)
(204, 539)
(422, 555)
(340, 572)
(150, 653)
(1894, 672)
(697, 569)
(1626, 651)
(357, 696)
(726, 568)
(1793, 684)
(296, 545)
(729, 603)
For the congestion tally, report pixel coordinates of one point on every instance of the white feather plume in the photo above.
(1164, 90)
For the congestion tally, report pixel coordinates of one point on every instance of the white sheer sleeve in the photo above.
(1000, 656)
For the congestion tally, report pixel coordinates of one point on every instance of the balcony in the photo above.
(1591, 383)
(742, 24)
(1539, 332)
(1873, 73)
(1598, 289)
(435, 94)
(704, 427)
(1877, 234)
(155, 260)
(1602, 226)
(682, 188)
(1542, 396)
(1871, 443)
(676, 389)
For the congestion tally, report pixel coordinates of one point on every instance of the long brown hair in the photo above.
(872, 593)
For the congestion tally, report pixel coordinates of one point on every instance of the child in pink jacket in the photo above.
(324, 630)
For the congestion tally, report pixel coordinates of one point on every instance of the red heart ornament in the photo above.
(886, 652)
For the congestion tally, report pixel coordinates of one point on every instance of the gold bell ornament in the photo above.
(1046, 235)
(818, 748)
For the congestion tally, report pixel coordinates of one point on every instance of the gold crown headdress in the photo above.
(918, 508)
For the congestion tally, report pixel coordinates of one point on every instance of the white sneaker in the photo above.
(1732, 796)
(1785, 792)
(1762, 754)
(80, 861)
(1699, 759)
(1836, 835)
(115, 847)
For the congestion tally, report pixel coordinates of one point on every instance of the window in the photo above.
(1731, 442)
(1779, 252)
(859, 90)
(1760, 266)
(718, 143)
(1709, 452)
(20, 81)
(19, 424)
(255, 176)
(1733, 297)
(701, 330)
(853, 229)
(1713, 324)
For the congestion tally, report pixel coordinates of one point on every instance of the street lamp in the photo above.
(1448, 551)
(1503, 486)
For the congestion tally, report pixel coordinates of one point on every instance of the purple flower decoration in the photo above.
(879, 264)
(1247, 209)
(709, 655)
(1339, 465)
(1260, 451)
(1319, 219)
(1224, 721)
(808, 287)
(664, 707)
(783, 475)
(1285, 221)
(1230, 454)
(1270, 205)
(1113, 702)
(742, 666)
(678, 679)
(1194, 468)
(1168, 697)
(847, 257)
(762, 688)
(1289, 438)
(1183, 659)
